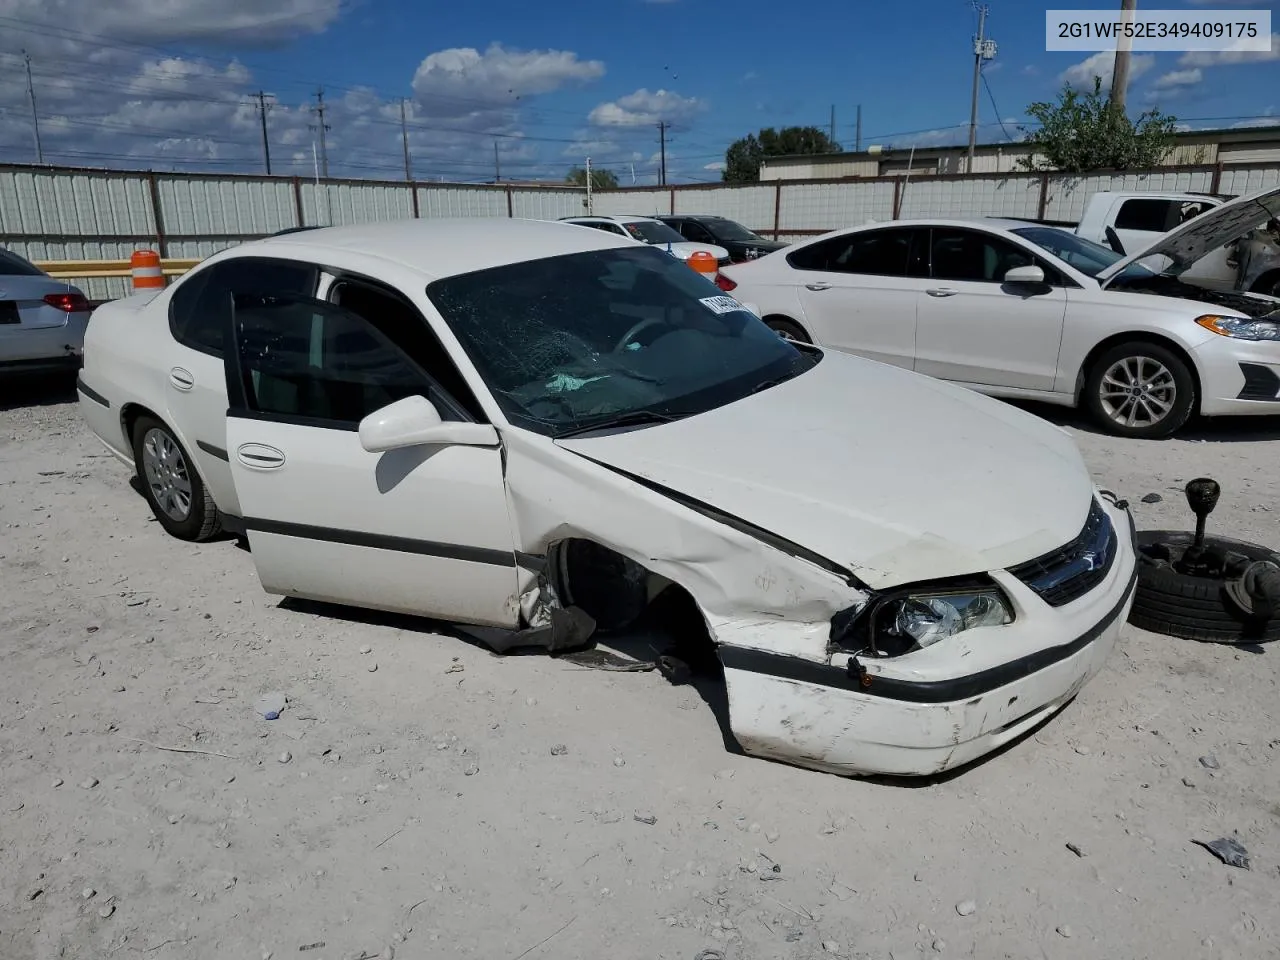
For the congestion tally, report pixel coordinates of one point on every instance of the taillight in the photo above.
(68, 302)
(724, 283)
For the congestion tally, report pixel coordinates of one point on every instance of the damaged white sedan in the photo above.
(543, 429)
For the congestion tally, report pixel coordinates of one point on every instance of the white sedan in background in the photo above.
(42, 320)
(1020, 310)
(653, 232)
(543, 429)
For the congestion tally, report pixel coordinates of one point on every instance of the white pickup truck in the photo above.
(1128, 221)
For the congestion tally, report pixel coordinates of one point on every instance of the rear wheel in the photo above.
(788, 329)
(174, 490)
(1140, 390)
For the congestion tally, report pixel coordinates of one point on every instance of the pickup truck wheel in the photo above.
(1140, 390)
(788, 329)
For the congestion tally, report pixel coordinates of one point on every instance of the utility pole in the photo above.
(662, 139)
(404, 137)
(833, 123)
(35, 117)
(1124, 46)
(983, 49)
(588, 186)
(858, 141)
(318, 110)
(497, 164)
(263, 107)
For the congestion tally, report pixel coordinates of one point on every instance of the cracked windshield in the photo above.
(572, 342)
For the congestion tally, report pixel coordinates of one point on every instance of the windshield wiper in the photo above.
(633, 418)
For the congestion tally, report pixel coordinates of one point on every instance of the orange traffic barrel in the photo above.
(145, 266)
(704, 263)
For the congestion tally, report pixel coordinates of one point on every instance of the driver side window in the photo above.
(696, 232)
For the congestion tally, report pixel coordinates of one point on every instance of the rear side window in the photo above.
(1156, 216)
(887, 253)
(12, 265)
(201, 308)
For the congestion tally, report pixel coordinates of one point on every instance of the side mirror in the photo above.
(1028, 275)
(413, 422)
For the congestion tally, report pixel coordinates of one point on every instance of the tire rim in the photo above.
(167, 476)
(785, 336)
(1137, 392)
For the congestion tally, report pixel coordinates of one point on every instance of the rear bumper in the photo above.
(820, 715)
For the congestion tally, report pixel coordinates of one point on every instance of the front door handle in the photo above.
(181, 378)
(259, 456)
(942, 292)
(817, 286)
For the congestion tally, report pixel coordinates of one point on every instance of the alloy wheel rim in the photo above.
(167, 475)
(1137, 391)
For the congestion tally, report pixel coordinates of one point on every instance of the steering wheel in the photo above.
(644, 324)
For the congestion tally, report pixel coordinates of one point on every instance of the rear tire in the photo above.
(1140, 390)
(174, 491)
(788, 329)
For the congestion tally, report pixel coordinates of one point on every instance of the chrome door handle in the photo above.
(181, 378)
(259, 456)
(942, 292)
(817, 286)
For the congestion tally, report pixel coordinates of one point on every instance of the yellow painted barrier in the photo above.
(86, 269)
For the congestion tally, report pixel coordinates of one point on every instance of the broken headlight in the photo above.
(920, 620)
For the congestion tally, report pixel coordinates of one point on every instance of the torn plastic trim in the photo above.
(855, 676)
(766, 537)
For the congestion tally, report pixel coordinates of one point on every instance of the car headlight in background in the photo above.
(923, 619)
(1241, 328)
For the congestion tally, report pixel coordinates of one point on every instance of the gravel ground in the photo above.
(409, 801)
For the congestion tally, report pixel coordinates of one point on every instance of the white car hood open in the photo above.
(1200, 235)
(896, 477)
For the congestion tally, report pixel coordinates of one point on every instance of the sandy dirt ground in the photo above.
(409, 802)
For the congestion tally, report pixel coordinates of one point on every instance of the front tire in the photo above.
(174, 490)
(1141, 390)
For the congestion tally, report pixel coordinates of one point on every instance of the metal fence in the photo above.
(74, 214)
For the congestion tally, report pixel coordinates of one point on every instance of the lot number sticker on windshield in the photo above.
(720, 304)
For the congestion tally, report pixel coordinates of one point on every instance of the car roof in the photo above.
(612, 218)
(438, 247)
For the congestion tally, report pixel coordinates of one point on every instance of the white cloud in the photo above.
(461, 80)
(717, 165)
(1219, 58)
(1265, 121)
(644, 108)
(1080, 76)
(1178, 78)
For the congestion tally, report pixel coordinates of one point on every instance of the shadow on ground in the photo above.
(36, 389)
(1199, 430)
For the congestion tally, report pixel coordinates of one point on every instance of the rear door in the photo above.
(199, 316)
(422, 530)
(859, 291)
(974, 328)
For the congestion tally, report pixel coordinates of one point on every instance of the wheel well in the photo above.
(619, 593)
(1267, 280)
(782, 316)
(129, 415)
(1136, 337)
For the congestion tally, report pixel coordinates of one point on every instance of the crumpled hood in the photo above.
(894, 476)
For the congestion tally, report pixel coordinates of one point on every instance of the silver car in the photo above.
(42, 320)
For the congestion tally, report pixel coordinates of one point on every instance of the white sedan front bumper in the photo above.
(828, 717)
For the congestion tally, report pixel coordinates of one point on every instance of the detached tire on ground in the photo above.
(174, 490)
(1216, 610)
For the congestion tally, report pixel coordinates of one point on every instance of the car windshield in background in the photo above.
(1086, 256)
(651, 231)
(731, 231)
(12, 265)
(571, 342)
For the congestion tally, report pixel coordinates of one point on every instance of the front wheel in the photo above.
(788, 329)
(174, 490)
(1140, 390)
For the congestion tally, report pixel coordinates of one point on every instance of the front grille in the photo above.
(1071, 571)
(1260, 382)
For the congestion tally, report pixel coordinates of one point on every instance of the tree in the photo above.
(742, 159)
(1086, 131)
(600, 179)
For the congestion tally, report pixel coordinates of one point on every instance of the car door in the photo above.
(420, 530)
(196, 388)
(973, 327)
(859, 291)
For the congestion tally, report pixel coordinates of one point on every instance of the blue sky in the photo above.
(166, 83)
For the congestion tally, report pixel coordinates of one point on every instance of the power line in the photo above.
(996, 109)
